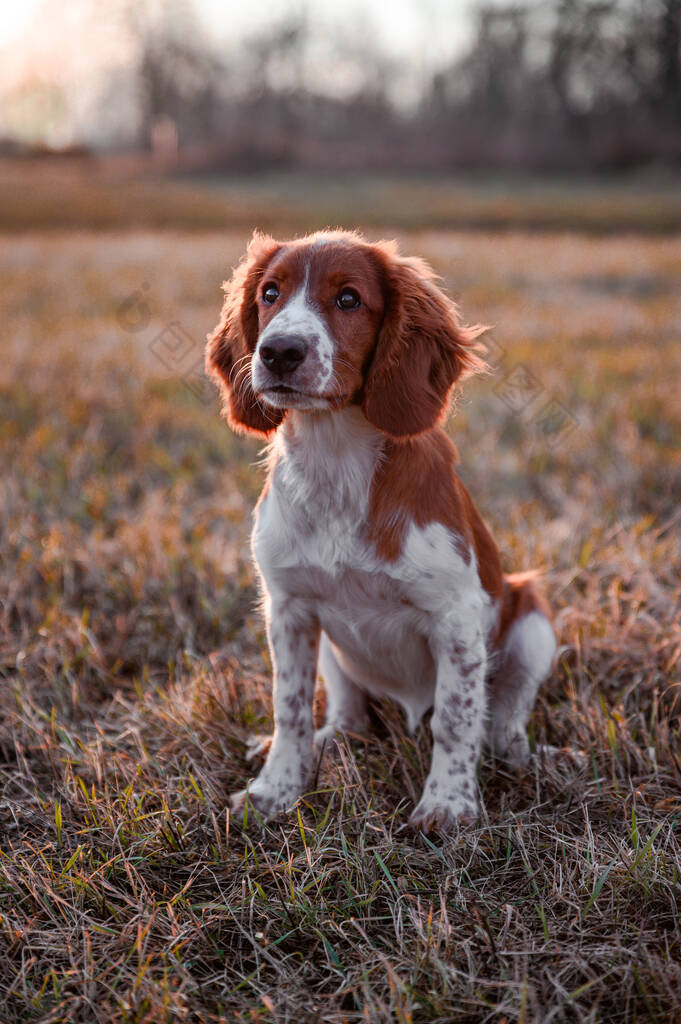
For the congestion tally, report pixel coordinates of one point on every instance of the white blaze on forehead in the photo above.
(298, 317)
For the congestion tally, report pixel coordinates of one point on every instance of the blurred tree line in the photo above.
(560, 84)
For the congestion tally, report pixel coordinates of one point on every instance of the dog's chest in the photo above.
(363, 605)
(311, 544)
(380, 614)
(314, 511)
(319, 551)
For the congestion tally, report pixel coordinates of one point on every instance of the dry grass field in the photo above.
(134, 665)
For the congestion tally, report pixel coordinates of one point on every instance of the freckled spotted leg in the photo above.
(449, 794)
(293, 634)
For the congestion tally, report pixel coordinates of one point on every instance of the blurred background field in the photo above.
(132, 654)
(100, 194)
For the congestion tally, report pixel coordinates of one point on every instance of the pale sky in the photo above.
(400, 23)
(72, 43)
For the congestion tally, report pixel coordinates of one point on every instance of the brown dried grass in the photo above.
(134, 669)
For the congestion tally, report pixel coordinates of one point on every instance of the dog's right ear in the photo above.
(232, 343)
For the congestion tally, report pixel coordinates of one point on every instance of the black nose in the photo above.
(283, 353)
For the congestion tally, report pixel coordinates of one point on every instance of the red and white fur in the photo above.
(377, 571)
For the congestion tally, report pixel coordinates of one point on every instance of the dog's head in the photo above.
(331, 320)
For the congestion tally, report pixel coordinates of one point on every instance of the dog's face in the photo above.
(331, 320)
(320, 305)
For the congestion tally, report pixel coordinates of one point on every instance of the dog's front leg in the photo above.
(293, 635)
(449, 795)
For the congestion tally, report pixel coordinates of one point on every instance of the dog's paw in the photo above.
(332, 731)
(329, 738)
(435, 813)
(268, 798)
(257, 747)
(513, 750)
(326, 735)
(547, 752)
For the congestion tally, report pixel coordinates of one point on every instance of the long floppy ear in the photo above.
(422, 350)
(232, 343)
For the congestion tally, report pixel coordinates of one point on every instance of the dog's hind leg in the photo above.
(525, 657)
(346, 703)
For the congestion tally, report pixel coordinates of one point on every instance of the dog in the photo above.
(377, 571)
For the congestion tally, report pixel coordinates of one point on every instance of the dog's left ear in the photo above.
(232, 343)
(422, 350)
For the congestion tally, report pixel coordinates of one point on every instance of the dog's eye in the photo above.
(348, 299)
(270, 293)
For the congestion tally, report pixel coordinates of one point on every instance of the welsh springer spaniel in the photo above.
(376, 569)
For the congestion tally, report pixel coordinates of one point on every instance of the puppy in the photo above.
(377, 571)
